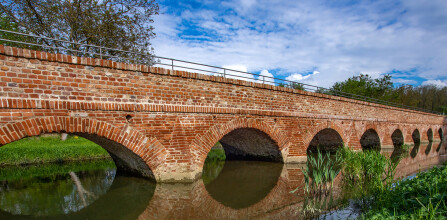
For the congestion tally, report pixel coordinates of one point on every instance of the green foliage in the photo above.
(364, 85)
(216, 154)
(33, 150)
(423, 197)
(320, 171)
(366, 171)
(121, 24)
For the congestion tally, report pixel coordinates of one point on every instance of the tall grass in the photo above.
(320, 172)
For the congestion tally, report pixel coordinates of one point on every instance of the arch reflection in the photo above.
(241, 184)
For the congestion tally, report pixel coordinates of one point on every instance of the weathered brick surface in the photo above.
(177, 116)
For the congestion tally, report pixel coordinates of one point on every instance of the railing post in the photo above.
(263, 79)
(224, 73)
(172, 64)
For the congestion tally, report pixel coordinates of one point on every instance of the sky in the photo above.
(314, 42)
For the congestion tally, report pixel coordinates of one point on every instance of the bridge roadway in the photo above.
(161, 123)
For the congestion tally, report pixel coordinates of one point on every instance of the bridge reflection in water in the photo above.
(230, 190)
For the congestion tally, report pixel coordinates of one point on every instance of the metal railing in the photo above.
(34, 42)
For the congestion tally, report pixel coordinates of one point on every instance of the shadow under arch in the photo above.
(370, 140)
(326, 140)
(439, 146)
(119, 143)
(441, 134)
(202, 144)
(250, 144)
(398, 140)
(430, 135)
(416, 136)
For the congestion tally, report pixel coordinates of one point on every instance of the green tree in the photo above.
(364, 85)
(121, 24)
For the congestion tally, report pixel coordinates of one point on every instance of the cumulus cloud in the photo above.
(266, 77)
(339, 40)
(241, 73)
(300, 77)
(437, 83)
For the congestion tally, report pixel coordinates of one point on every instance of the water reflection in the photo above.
(233, 190)
(428, 149)
(54, 194)
(241, 184)
(94, 193)
(415, 150)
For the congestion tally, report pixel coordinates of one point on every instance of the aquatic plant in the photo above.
(366, 170)
(320, 172)
(422, 197)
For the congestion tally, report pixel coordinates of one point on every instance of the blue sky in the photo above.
(314, 42)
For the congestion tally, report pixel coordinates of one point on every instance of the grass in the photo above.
(423, 197)
(12, 173)
(35, 150)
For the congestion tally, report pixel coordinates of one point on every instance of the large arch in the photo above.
(132, 152)
(430, 135)
(326, 140)
(202, 144)
(370, 140)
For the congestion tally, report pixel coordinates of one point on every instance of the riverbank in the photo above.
(421, 197)
(50, 149)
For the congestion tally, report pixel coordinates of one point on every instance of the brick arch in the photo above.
(314, 131)
(150, 150)
(202, 144)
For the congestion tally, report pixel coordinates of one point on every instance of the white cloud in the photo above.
(299, 77)
(404, 81)
(437, 83)
(241, 73)
(296, 36)
(266, 77)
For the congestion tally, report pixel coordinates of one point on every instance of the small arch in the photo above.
(370, 140)
(326, 140)
(430, 135)
(250, 144)
(441, 134)
(416, 136)
(398, 138)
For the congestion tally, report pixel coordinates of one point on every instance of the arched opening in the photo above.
(126, 161)
(326, 140)
(250, 144)
(248, 171)
(430, 135)
(441, 134)
(416, 136)
(398, 138)
(370, 140)
(439, 146)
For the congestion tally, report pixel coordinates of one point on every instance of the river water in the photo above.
(227, 190)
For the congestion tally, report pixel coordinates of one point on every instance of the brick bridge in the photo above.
(161, 123)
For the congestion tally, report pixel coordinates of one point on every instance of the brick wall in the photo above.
(177, 116)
